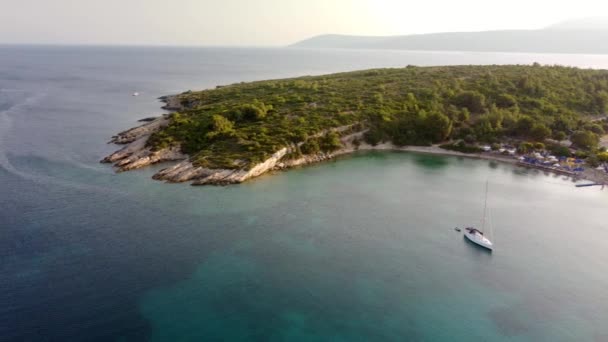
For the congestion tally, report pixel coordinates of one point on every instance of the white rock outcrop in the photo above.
(135, 154)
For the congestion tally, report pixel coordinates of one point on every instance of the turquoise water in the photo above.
(362, 248)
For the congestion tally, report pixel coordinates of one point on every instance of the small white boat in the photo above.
(135, 94)
(477, 237)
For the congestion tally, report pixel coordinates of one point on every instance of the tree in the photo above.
(524, 82)
(540, 132)
(311, 146)
(373, 136)
(524, 125)
(601, 99)
(439, 127)
(474, 101)
(496, 117)
(509, 121)
(560, 136)
(330, 142)
(539, 146)
(593, 161)
(410, 129)
(525, 147)
(506, 101)
(465, 115)
(603, 157)
(595, 128)
(483, 129)
(585, 139)
(470, 138)
(254, 112)
(378, 98)
(562, 123)
(219, 126)
(559, 150)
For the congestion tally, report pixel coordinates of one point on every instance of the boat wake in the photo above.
(6, 125)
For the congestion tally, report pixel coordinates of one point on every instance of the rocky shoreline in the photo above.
(135, 155)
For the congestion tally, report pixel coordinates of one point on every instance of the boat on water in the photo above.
(477, 236)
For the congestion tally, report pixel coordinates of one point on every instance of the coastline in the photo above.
(136, 154)
(589, 174)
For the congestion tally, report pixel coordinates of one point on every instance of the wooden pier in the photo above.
(548, 169)
(590, 184)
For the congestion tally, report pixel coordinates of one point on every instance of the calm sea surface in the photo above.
(360, 249)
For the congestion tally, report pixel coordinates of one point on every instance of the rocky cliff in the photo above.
(135, 154)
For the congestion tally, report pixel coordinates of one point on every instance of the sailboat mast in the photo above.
(485, 208)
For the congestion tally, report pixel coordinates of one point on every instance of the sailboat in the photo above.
(476, 236)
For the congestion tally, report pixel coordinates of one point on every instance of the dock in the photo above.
(548, 169)
(590, 184)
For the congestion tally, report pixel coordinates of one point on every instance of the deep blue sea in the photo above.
(358, 249)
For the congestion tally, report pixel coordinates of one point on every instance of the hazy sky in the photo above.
(267, 22)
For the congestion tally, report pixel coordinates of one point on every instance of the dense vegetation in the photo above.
(243, 124)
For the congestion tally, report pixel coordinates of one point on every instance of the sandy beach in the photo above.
(590, 174)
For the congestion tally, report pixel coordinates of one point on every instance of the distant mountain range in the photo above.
(585, 36)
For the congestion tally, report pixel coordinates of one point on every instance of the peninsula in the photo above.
(237, 132)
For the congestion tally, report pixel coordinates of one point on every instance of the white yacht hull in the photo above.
(478, 239)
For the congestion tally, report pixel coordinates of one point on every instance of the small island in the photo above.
(234, 133)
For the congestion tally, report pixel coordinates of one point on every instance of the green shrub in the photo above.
(540, 132)
(603, 157)
(461, 148)
(560, 136)
(585, 139)
(506, 101)
(472, 100)
(525, 148)
(559, 150)
(310, 147)
(330, 142)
